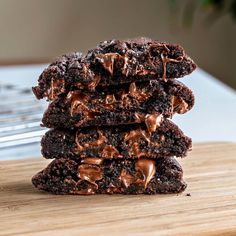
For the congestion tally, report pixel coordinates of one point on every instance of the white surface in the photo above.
(213, 117)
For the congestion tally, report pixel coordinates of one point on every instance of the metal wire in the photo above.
(20, 117)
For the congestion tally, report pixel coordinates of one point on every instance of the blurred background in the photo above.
(36, 31)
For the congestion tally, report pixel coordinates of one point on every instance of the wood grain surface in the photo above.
(210, 170)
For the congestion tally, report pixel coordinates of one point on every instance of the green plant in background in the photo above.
(214, 9)
(220, 5)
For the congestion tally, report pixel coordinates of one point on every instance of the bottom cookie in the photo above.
(95, 175)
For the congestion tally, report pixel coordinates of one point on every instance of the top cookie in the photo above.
(114, 62)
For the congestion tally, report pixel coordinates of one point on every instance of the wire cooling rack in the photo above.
(20, 117)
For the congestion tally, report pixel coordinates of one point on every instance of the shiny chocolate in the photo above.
(110, 101)
(90, 173)
(113, 189)
(136, 135)
(86, 191)
(179, 105)
(57, 86)
(92, 160)
(95, 82)
(138, 94)
(126, 178)
(147, 168)
(135, 150)
(165, 60)
(110, 151)
(82, 146)
(107, 60)
(78, 102)
(153, 121)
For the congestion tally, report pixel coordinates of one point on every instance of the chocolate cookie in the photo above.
(114, 62)
(164, 139)
(123, 104)
(94, 175)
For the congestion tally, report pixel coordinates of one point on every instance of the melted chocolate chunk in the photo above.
(147, 168)
(153, 121)
(90, 173)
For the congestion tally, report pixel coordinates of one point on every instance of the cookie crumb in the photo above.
(188, 195)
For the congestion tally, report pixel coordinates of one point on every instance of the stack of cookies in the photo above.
(109, 119)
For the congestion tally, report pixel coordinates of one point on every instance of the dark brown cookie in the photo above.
(93, 175)
(124, 104)
(52, 81)
(126, 141)
(114, 62)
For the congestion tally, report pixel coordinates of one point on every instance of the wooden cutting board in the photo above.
(210, 171)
